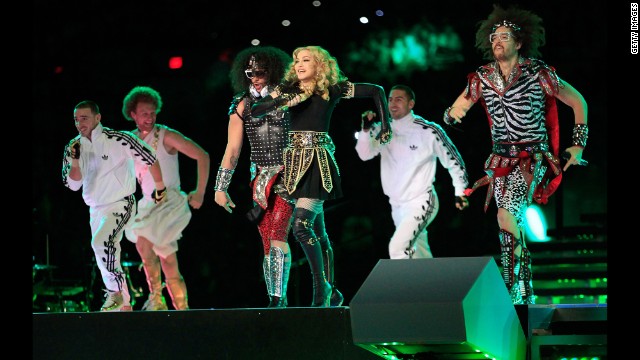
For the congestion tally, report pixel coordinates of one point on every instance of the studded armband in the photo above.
(580, 135)
(223, 179)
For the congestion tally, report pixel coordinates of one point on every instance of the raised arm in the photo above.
(367, 146)
(282, 96)
(377, 93)
(71, 172)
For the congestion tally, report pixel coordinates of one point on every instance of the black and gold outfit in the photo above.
(311, 171)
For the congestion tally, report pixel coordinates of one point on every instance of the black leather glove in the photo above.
(290, 88)
(288, 92)
(262, 106)
(366, 123)
(76, 150)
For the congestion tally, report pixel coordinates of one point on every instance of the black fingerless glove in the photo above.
(263, 106)
(290, 88)
(366, 123)
(76, 148)
(286, 93)
(284, 98)
(159, 195)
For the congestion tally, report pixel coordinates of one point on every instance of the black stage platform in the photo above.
(229, 334)
(284, 334)
(460, 309)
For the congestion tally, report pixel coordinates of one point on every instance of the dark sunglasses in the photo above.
(257, 73)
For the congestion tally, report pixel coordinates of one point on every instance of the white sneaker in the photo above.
(115, 302)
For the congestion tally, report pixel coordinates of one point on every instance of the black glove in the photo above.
(366, 123)
(159, 195)
(76, 148)
(290, 88)
(288, 92)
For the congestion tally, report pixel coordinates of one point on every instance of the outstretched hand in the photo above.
(575, 157)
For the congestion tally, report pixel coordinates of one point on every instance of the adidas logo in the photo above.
(105, 157)
(413, 147)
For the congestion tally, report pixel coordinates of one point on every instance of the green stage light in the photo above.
(397, 52)
(535, 224)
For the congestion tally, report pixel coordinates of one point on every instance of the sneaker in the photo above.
(155, 302)
(115, 302)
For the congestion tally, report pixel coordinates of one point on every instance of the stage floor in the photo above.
(230, 334)
(294, 333)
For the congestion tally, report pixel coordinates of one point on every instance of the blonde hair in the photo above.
(328, 72)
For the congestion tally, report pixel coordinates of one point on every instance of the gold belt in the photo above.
(298, 156)
(309, 139)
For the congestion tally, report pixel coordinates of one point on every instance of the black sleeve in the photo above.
(380, 100)
(261, 107)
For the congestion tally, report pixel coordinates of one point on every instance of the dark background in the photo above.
(99, 50)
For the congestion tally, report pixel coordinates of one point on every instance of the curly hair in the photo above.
(137, 95)
(269, 58)
(531, 34)
(328, 72)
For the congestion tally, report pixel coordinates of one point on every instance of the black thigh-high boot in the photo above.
(327, 258)
(303, 231)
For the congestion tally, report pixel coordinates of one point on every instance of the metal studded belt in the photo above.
(309, 139)
(512, 150)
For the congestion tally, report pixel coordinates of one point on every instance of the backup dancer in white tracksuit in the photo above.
(408, 169)
(102, 162)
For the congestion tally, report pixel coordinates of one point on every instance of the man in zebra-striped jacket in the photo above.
(519, 92)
